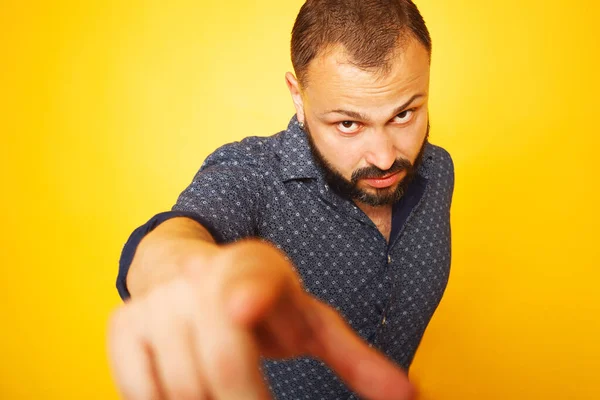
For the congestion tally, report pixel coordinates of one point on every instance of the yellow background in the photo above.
(109, 107)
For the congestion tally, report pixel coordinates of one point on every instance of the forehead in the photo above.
(333, 78)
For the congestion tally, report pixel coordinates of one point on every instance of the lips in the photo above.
(386, 181)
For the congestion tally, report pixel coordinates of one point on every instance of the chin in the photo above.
(377, 195)
(380, 192)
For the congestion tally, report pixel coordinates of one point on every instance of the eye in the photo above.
(348, 127)
(405, 116)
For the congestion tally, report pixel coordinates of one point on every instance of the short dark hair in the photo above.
(371, 31)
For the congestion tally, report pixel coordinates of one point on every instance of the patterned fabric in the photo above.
(269, 187)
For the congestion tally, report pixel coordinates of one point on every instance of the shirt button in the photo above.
(383, 320)
(389, 259)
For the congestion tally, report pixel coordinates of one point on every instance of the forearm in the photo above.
(166, 251)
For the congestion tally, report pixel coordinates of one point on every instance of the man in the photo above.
(305, 265)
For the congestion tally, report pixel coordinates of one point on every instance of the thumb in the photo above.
(251, 299)
(252, 277)
(363, 368)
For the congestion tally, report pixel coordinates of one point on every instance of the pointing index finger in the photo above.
(363, 368)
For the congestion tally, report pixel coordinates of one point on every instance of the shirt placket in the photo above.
(388, 281)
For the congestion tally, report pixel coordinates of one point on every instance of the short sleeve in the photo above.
(224, 197)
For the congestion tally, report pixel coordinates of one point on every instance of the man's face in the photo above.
(351, 189)
(366, 129)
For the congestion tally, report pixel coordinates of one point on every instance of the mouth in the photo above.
(385, 181)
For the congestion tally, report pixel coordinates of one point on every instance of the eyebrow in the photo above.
(362, 117)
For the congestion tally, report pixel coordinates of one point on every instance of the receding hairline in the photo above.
(371, 30)
(405, 38)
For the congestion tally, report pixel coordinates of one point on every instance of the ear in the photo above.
(294, 87)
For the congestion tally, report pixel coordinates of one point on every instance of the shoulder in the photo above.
(437, 163)
(250, 152)
(437, 157)
(437, 166)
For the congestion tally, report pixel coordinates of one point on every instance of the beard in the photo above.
(350, 189)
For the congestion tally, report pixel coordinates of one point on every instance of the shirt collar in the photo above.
(297, 161)
(294, 153)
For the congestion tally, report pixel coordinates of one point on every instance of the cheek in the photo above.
(409, 142)
(343, 154)
(408, 146)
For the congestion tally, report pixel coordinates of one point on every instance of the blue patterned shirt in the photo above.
(270, 187)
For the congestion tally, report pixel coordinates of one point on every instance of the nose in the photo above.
(380, 150)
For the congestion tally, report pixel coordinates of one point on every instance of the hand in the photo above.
(201, 335)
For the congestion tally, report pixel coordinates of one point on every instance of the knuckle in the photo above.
(226, 367)
(165, 315)
(170, 300)
(186, 392)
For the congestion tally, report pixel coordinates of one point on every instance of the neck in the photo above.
(381, 217)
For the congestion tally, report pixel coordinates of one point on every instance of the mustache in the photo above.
(399, 165)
